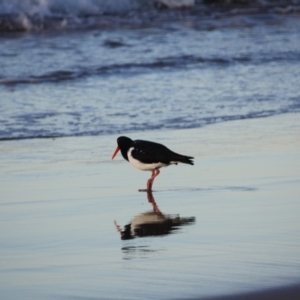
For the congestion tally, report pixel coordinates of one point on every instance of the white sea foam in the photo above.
(36, 15)
(77, 7)
(26, 15)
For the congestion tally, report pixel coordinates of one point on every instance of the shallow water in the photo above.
(59, 241)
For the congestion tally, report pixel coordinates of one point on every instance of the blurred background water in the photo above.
(73, 68)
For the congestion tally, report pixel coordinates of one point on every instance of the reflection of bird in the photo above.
(152, 223)
(149, 156)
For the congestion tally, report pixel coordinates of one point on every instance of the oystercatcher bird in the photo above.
(149, 156)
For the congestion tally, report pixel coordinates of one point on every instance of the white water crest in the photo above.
(38, 15)
(74, 7)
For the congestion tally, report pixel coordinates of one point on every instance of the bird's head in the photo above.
(124, 143)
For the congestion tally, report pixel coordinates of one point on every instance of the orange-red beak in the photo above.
(115, 153)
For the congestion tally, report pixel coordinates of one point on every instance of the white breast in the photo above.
(141, 166)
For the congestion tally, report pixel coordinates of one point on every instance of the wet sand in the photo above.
(286, 292)
(60, 198)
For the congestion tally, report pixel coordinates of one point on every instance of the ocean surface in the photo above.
(76, 68)
(217, 81)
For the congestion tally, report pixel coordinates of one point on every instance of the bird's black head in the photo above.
(124, 144)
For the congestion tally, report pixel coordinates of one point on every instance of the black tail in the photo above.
(183, 159)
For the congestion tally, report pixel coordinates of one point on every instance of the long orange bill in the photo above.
(115, 153)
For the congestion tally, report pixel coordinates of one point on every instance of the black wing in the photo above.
(150, 152)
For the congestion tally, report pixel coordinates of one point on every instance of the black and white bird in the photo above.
(149, 156)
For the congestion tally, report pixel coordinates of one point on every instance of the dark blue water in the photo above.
(88, 68)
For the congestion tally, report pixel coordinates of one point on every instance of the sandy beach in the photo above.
(60, 198)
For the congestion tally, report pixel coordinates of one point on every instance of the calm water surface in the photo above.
(241, 200)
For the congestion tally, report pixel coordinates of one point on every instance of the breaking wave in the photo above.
(163, 63)
(37, 15)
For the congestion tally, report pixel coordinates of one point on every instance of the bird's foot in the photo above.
(145, 190)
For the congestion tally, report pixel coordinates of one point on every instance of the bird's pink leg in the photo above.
(154, 174)
(150, 181)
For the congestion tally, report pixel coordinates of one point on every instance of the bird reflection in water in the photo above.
(153, 223)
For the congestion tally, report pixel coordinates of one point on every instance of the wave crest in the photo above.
(26, 15)
(66, 7)
(35, 15)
